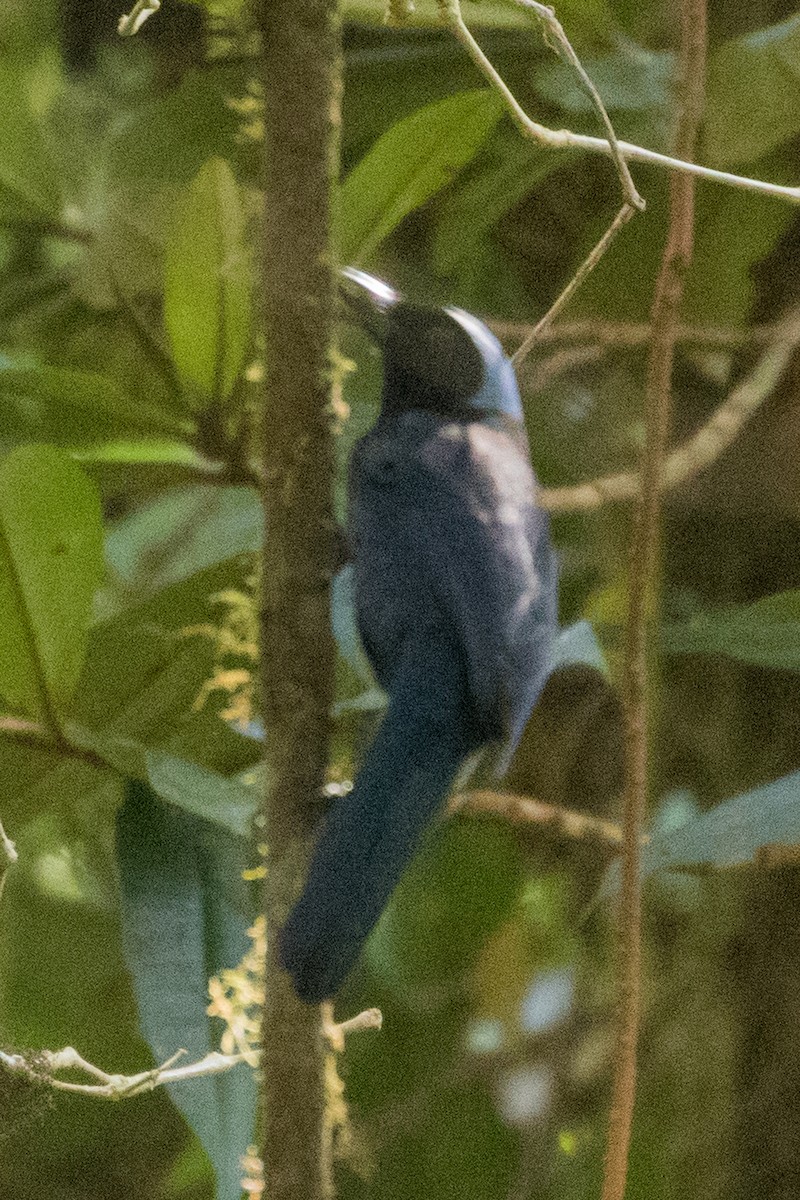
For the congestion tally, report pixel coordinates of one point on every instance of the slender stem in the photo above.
(301, 78)
(702, 448)
(565, 139)
(625, 335)
(632, 202)
(527, 811)
(642, 589)
(560, 42)
(587, 266)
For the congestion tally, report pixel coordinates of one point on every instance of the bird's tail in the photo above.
(371, 836)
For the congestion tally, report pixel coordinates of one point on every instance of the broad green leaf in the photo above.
(144, 674)
(76, 408)
(122, 265)
(28, 175)
(720, 287)
(51, 563)
(765, 634)
(185, 914)
(146, 452)
(183, 531)
(753, 94)
(22, 768)
(413, 161)
(231, 803)
(207, 287)
(65, 845)
(63, 973)
(728, 835)
(169, 137)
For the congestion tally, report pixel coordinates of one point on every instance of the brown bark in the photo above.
(644, 572)
(301, 65)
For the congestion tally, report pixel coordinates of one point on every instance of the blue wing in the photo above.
(445, 520)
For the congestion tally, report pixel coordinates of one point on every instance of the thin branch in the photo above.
(550, 818)
(451, 16)
(48, 1064)
(337, 1031)
(644, 568)
(22, 728)
(47, 228)
(565, 139)
(557, 39)
(39, 737)
(130, 23)
(587, 266)
(631, 334)
(546, 369)
(151, 343)
(632, 202)
(702, 448)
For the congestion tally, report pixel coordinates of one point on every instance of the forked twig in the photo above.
(632, 202)
(702, 448)
(46, 1066)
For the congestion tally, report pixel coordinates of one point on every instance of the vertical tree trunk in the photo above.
(301, 64)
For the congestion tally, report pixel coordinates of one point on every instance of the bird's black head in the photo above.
(442, 360)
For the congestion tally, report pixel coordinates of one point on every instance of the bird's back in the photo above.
(445, 528)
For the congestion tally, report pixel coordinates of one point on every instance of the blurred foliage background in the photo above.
(130, 739)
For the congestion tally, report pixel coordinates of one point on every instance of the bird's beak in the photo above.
(368, 300)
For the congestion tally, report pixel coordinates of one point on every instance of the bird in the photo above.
(455, 584)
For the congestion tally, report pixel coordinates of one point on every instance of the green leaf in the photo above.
(765, 634)
(76, 408)
(51, 563)
(28, 183)
(231, 803)
(185, 914)
(413, 161)
(728, 835)
(143, 675)
(722, 287)
(146, 452)
(183, 531)
(469, 214)
(65, 844)
(207, 287)
(169, 137)
(753, 94)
